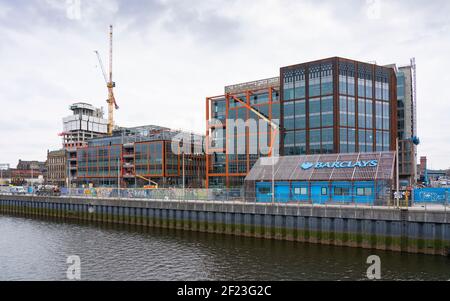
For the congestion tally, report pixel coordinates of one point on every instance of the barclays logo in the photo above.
(339, 164)
(307, 165)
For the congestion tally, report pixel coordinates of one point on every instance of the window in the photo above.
(260, 98)
(341, 191)
(361, 88)
(342, 84)
(327, 119)
(351, 86)
(289, 122)
(264, 190)
(299, 84)
(327, 135)
(288, 109)
(314, 113)
(314, 120)
(343, 110)
(275, 111)
(289, 139)
(359, 191)
(301, 190)
(314, 106)
(351, 112)
(362, 140)
(363, 191)
(300, 137)
(324, 191)
(288, 88)
(314, 87)
(327, 111)
(314, 141)
(300, 113)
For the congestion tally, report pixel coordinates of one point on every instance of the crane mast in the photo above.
(110, 84)
(111, 99)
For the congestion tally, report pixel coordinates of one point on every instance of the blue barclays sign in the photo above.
(339, 164)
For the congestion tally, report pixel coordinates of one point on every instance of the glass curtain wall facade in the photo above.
(337, 106)
(106, 164)
(233, 147)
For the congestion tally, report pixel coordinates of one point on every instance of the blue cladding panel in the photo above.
(261, 189)
(365, 199)
(282, 192)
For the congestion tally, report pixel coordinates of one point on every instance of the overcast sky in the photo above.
(171, 54)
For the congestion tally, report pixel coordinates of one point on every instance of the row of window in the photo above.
(339, 191)
(324, 86)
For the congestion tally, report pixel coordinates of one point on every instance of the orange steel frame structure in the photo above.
(245, 104)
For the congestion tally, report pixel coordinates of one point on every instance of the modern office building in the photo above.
(140, 156)
(337, 105)
(56, 168)
(332, 105)
(406, 124)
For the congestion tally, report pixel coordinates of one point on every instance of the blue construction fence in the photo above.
(432, 195)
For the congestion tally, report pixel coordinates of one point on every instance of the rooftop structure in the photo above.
(87, 122)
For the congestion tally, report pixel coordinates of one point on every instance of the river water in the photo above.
(38, 249)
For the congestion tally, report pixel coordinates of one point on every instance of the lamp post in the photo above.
(397, 192)
(184, 195)
(273, 180)
(118, 176)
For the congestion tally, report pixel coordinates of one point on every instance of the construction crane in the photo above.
(112, 104)
(150, 182)
(414, 92)
(272, 124)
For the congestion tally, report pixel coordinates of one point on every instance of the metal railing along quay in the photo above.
(219, 195)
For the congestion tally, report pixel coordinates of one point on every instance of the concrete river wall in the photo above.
(407, 230)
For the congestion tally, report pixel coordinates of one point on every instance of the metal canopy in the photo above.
(310, 167)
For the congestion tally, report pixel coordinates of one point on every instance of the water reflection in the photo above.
(38, 249)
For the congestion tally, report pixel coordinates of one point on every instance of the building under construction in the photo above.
(229, 161)
(141, 156)
(85, 123)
